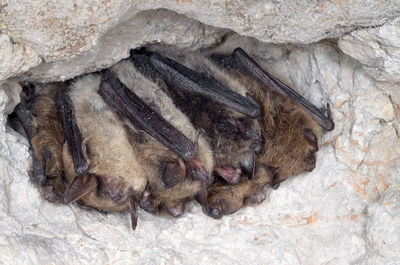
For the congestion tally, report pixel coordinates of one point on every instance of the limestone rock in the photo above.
(15, 58)
(324, 210)
(83, 30)
(377, 49)
(344, 212)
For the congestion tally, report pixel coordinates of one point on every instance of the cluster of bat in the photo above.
(166, 126)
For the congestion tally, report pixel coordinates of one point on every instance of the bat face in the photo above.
(212, 101)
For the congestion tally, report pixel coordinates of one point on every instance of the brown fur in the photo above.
(112, 161)
(47, 141)
(286, 148)
(219, 122)
(152, 153)
(231, 198)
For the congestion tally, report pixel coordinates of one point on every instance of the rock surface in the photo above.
(377, 49)
(330, 216)
(347, 211)
(57, 31)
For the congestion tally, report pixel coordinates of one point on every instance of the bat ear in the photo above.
(79, 187)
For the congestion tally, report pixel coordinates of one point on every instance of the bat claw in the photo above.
(173, 173)
(229, 174)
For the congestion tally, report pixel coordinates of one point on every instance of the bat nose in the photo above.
(249, 165)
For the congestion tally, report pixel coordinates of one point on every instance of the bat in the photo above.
(90, 143)
(291, 127)
(37, 115)
(212, 101)
(127, 152)
(127, 81)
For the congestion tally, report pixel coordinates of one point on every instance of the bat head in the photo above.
(291, 138)
(237, 140)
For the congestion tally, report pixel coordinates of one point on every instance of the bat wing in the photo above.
(183, 77)
(129, 106)
(240, 61)
(72, 133)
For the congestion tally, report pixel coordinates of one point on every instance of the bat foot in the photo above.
(229, 174)
(176, 210)
(173, 173)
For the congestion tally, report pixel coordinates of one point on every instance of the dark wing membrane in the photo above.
(129, 106)
(186, 78)
(24, 116)
(241, 61)
(73, 136)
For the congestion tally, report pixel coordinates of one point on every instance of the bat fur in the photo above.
(291, 142)
(232, 135)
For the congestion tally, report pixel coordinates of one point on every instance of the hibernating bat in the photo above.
(154, 154)
(291, 127)
(213, 101)
(37, 114)
(111, 165)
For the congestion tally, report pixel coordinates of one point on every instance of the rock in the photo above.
(323, 210)
(86, 31)
(377, 49)
(115, 43)
(345, 211)
(383, 225)
(15, 58)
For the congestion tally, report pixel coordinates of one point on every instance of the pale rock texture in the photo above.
(347, 211)
(59, 30)
(377, 49)
(15, 59)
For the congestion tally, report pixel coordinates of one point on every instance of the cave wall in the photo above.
(346, 53)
